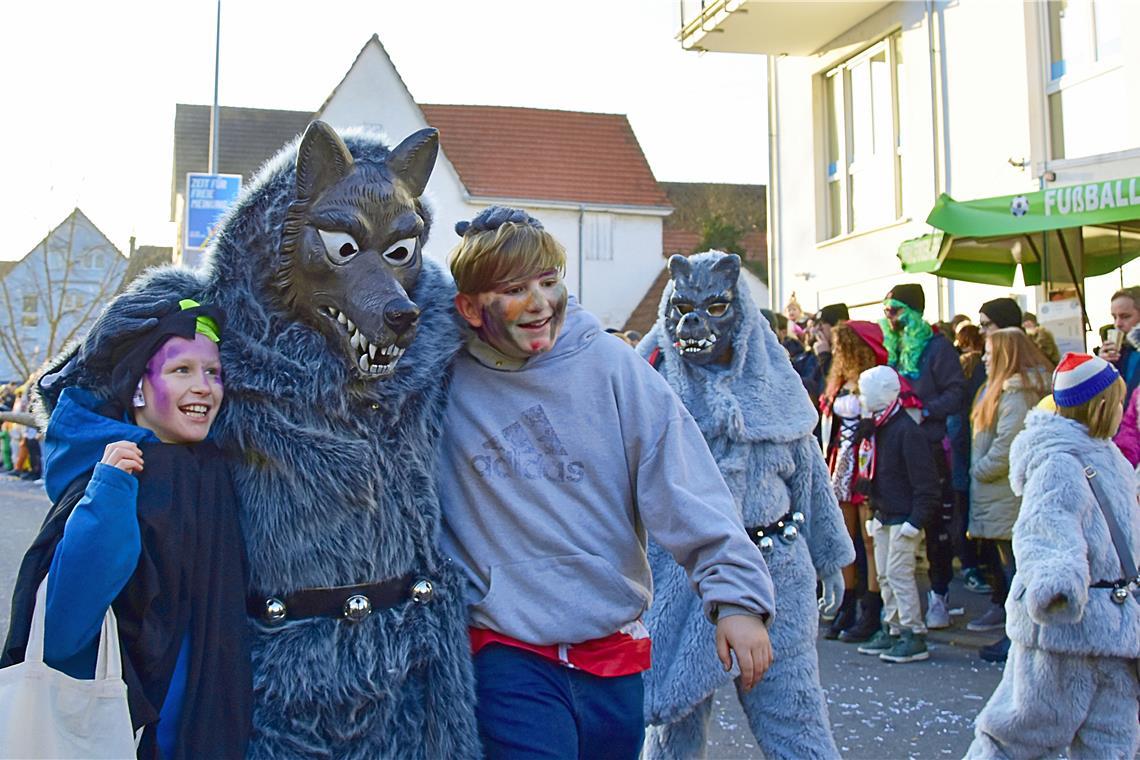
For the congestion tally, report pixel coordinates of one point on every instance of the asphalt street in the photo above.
(878, 710)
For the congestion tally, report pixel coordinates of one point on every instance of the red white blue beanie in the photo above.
(1080, 378)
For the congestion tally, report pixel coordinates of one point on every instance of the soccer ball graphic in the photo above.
(1019, 206)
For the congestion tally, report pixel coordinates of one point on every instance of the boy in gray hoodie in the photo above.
(560, 449)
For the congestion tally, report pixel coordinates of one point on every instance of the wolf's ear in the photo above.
(414, 158)
(322, 160)
(729, 266)
(679, 266)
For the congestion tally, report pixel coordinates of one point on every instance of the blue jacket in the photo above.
(100, 546)
(940, 385)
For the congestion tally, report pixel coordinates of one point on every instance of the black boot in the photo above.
(870, 612)
(844, 618)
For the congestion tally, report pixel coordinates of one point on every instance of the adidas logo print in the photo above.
(528, 448)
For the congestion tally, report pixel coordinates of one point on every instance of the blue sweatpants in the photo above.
(529, 708)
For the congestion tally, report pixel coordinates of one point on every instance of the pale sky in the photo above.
(89, 88)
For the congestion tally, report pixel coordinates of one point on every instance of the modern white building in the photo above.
(50, 297)
(876, 108)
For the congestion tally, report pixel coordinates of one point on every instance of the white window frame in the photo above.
(846, 169)
(1069, 79)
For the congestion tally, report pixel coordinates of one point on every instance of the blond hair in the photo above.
(1098, 414)
(484, 260)
(1012, 354)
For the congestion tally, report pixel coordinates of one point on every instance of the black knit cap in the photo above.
(833, 313)
(129, 357)
(1003, 312)
(909, 293)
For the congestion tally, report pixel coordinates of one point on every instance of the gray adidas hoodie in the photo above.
(552, 470)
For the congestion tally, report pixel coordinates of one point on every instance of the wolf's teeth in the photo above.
(363, 363)
(371, 350)
(351, 327)
(341, 318)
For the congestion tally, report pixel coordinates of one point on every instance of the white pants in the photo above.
(894, 562)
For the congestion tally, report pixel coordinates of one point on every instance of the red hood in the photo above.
(871, 334)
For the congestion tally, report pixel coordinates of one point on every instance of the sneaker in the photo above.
(910, 647)
(973, 581)
(992, 620)
(995, 652)
(881, 642)
(937, 610)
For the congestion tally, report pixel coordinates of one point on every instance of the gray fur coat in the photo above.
(336, 481)
(757, 420)
(1062, 543)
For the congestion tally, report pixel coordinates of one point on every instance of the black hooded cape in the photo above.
(191, 576)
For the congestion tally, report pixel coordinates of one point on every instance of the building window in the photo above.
(862, 170)
(598, 237)
(73, 302)
(31, 317)
(1085, 80)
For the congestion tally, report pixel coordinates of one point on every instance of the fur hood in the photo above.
(757, 397)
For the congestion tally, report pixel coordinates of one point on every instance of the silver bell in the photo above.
(790, 534)
(357, 607)
(422, 591)
(798, 518)
(274, 610)
(766, 543)
(1120, 595)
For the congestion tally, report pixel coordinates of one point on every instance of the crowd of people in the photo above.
(20, 455)
(494, 588)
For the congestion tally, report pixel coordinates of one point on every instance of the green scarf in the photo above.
(905, 348)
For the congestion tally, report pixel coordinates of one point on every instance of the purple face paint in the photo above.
(182, 389)
(524, 317)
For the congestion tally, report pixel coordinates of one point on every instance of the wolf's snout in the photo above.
(401, 315)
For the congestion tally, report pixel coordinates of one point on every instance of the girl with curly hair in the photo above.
(856, 346)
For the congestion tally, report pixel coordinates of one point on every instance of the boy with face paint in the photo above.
(560, 450)
(145, 521)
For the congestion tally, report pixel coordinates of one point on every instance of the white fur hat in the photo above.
(878, 387)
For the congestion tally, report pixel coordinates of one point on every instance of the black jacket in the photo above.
(905, 487)
(940, 385)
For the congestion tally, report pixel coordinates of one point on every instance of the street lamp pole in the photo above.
(213, 159)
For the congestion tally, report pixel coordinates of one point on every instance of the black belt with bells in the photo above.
(787, 529)
(351, 603)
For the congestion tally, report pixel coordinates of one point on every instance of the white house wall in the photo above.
(987, 123)
(372, 94)
(94, 284)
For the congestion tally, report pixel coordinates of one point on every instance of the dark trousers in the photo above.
(529, 707)
(35, 460)
(965, 549)
(939, 546)
(999, 556)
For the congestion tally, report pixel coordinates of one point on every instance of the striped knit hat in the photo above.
(1080, 378)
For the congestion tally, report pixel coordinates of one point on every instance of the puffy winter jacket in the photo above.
(993, 505)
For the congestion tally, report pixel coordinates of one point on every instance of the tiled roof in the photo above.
(249, 136)
(529, 153)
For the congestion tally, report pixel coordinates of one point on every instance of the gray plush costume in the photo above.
(1071, 679)
(758, 421)
(334, 468)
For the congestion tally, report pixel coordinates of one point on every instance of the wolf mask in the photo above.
(701, 315)
(341, 271)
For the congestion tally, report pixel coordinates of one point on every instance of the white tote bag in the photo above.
(48, 714)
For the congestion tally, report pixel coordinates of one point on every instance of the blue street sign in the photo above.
(208, 196)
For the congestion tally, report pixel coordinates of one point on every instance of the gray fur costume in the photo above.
(335, 475)
(1071, 679)
(757, 420)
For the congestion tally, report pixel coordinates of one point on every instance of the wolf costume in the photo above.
(717, 352)
(1071, 679)
(331, 417)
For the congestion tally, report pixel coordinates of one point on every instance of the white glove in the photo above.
(908, 531)
(833, 588)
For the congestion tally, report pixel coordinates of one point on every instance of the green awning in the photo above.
(986, 240)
